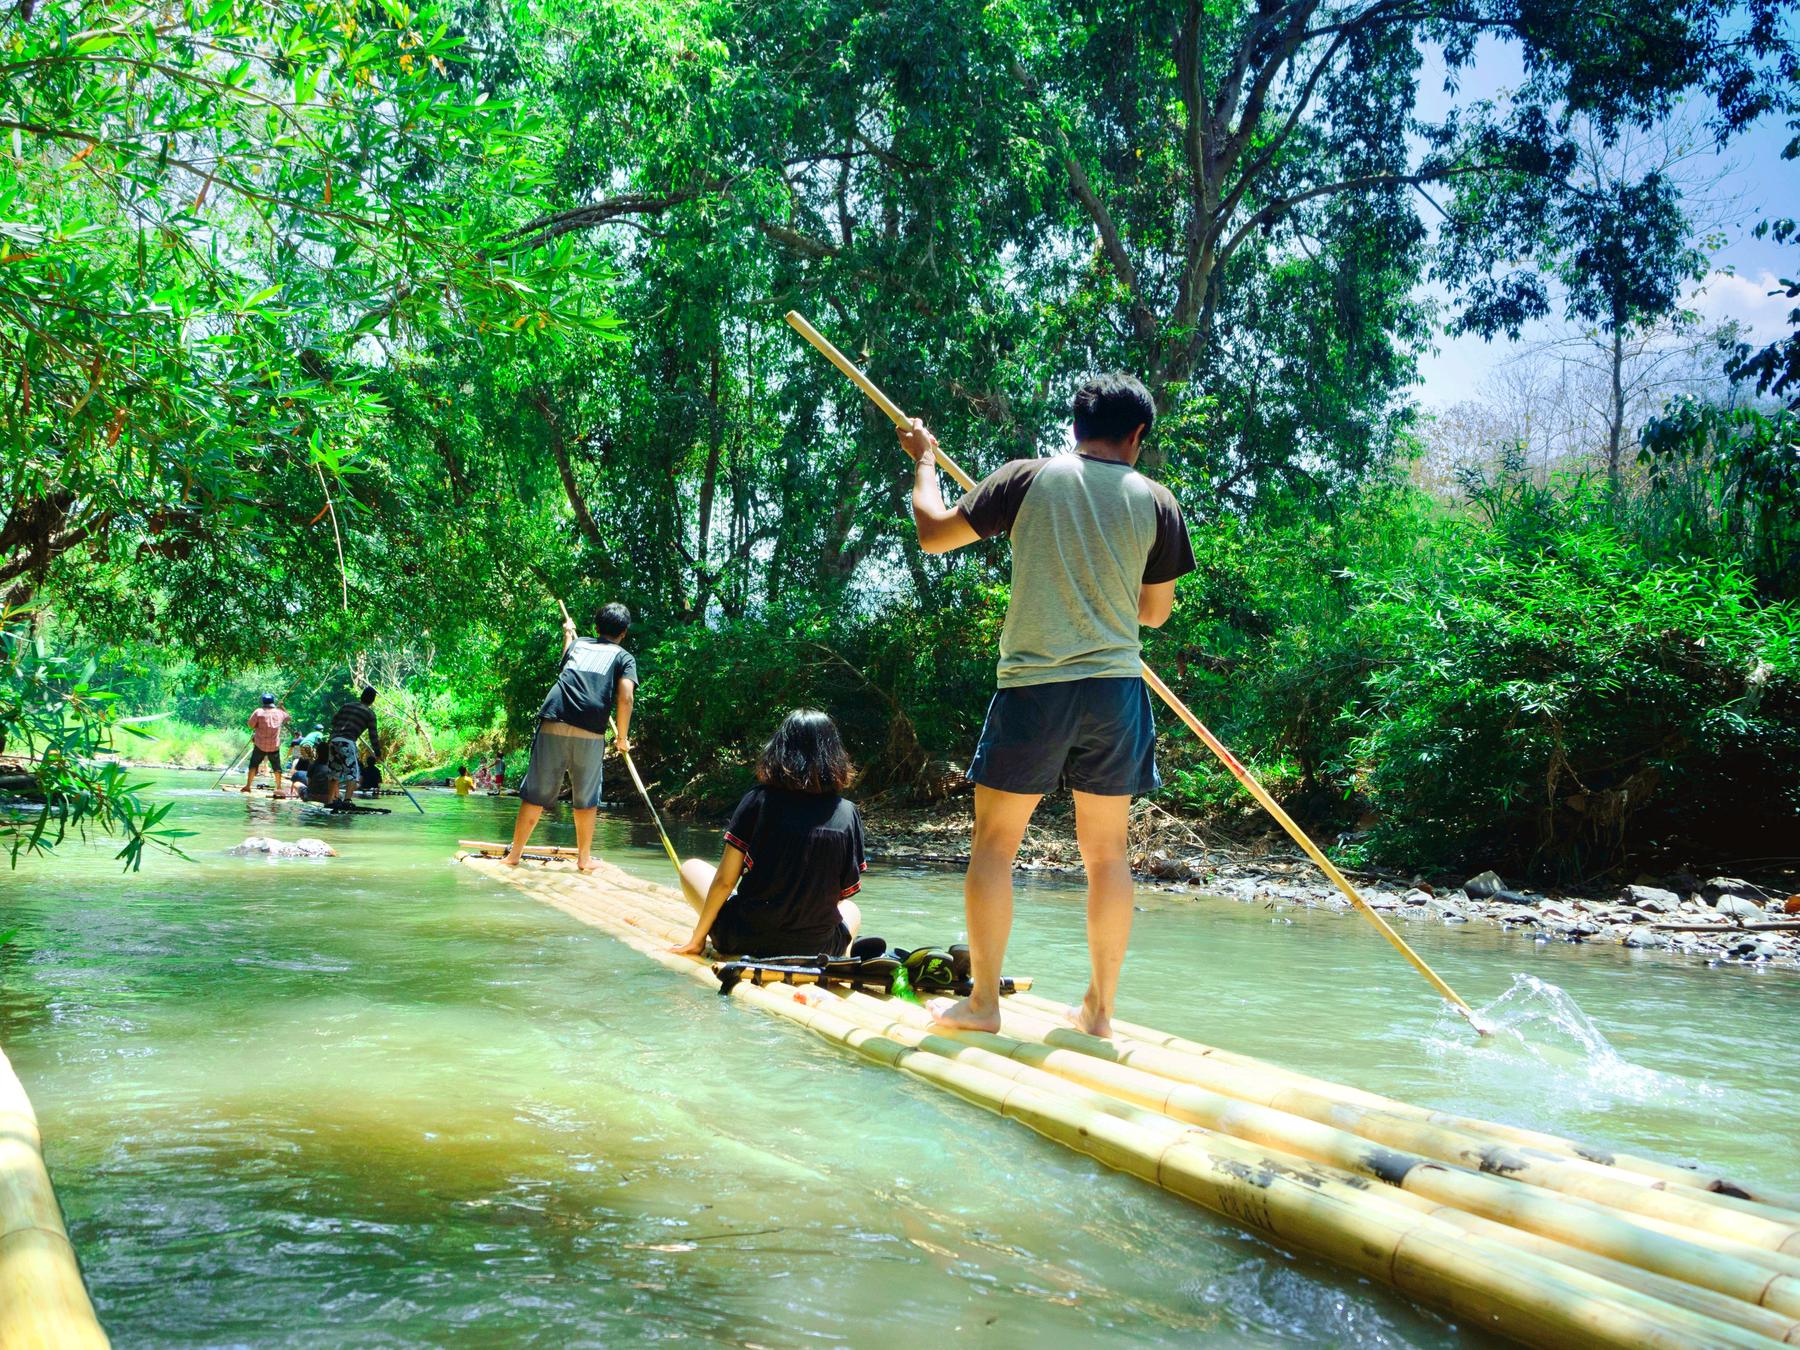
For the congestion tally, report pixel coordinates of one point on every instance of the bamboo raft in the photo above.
(1517, 1232)
(43, 1302)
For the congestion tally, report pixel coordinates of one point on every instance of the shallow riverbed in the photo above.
(377, 1100)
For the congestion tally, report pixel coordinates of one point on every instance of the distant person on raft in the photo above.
(338, 772)
(597, 675)
(265, 741)
(793, 854)
(1096, 550)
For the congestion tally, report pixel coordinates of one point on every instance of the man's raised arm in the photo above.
(941, 528)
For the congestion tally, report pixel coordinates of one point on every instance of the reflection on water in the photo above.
(380, 1100)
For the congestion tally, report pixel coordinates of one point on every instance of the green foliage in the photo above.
(349, 339)
(1526, 683)
(60, 724)
(1734, 475)
(1548, 696)
(213, 222)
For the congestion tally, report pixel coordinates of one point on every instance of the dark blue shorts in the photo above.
(1094, 735)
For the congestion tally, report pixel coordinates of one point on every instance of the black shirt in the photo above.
(803, 852)
(584, 690)
(352, 720)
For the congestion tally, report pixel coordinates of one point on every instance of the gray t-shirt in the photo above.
(1087, 534)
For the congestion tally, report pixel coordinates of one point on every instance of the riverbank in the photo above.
(1671, 913)
(1718, 919)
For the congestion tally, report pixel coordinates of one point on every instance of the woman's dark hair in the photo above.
(806, 754)
(368, 693)
(612, 620)
(1110, 407)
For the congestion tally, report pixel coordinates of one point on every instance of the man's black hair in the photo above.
(1110, 407)
(368, 693)
(612, 620)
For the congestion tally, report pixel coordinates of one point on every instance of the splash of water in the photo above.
(1536, 1026)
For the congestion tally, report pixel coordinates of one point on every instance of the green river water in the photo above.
(378, 1100)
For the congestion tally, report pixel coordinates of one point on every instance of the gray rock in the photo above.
(1417, 896)
(1160, 864)
(1483, 884)
(1722, 886)
(1383, 900)
(1648, 939)
(1651, 898)
(1737, 907)
(278, 848)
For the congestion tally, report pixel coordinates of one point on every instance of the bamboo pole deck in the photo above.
(43, 1303)
(1520, 1233)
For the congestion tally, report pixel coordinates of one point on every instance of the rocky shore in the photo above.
(1719, 919)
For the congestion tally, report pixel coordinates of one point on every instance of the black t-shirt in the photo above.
(584, 690)
(803, 852)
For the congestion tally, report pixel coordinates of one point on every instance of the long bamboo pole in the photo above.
(894, 414)
(1194, 1061)
(43, 1302)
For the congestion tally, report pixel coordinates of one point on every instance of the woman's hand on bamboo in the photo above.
(694, 946)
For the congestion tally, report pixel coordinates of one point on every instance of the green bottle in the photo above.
(901, 987)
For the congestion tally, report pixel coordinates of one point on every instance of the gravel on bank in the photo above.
(1720, 919)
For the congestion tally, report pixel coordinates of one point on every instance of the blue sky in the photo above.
(1745, 268)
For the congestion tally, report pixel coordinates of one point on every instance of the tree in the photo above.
(213, 213)
(218, 217)
(1617, 246)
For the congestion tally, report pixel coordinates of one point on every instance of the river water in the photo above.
(379, 1100)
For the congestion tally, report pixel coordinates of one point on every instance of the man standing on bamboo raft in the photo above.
(1096, 550)
(597, 676)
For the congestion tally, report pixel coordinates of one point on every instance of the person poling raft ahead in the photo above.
(597, 674)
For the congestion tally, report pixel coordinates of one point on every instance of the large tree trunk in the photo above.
(1615, 432)
(559, 449)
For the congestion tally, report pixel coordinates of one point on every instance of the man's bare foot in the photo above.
(243, 789)
(588, 864)
(1086, 1018)
(963, 1015)
(510, 859)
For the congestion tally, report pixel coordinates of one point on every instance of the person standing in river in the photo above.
(1096, 550)
(598, 676)
(266, 723)
(341, 772)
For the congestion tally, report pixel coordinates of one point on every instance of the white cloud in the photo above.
(1727, 295)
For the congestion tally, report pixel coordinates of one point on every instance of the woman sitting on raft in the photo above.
(793, 854)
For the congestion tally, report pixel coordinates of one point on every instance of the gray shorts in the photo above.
(552, 756)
